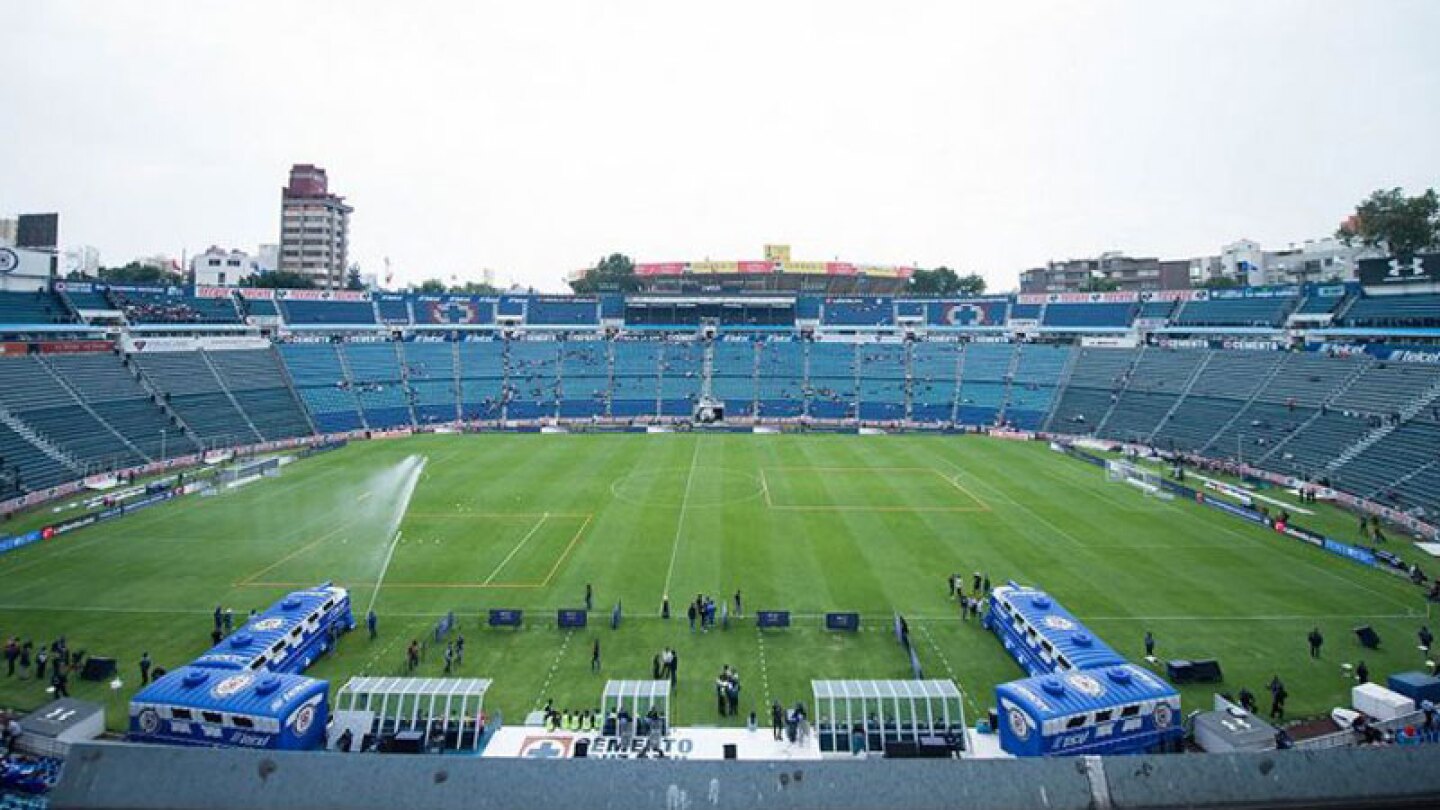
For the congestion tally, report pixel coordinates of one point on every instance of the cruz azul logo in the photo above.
(232, 685)
(1059, 623)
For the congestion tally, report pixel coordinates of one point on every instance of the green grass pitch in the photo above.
(804, 523)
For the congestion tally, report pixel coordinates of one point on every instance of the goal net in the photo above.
(1142, 478)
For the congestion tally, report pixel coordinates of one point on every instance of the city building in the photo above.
(224, 268)
(1112, 270)
(314, 228)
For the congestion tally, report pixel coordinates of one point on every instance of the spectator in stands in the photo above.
(1316, 642)
(144, 668)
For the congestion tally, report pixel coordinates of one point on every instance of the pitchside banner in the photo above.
(1424, 267)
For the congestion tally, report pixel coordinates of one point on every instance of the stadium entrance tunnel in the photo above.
(692, 488)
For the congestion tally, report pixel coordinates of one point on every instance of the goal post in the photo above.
(1142, 478)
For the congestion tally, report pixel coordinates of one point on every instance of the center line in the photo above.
(680, 524)
(517, 548)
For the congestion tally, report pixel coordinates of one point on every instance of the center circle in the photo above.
(667, 486)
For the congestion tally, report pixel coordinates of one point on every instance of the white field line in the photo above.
(516, 549)
(680, 524)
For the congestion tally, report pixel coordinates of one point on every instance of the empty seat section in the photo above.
(320, 380)
(780, 378)
(482, 379)
(681, 369)
(584, 378)
(882, 381)
(258, 383)
(533, 381)
(984, 376)
(934, 367)
(734, 376)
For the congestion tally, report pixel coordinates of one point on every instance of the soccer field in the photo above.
(429, 524)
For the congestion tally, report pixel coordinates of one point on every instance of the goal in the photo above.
(1143, 479)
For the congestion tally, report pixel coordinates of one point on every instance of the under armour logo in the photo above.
(1417, 267)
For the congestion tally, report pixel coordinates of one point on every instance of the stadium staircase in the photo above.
(1409, 412)
(1254, 395)
(133, 369)
(230, 395)
(1009, 384)
(350, 379)
(53, 452)
(1061, 384)
(459, 377)
(1184, 392)
(405, 382)
(292, 388)
(1115, 400)
(85, 406)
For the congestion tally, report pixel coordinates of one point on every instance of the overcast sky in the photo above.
(532, 138)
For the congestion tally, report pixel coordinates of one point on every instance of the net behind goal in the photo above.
(1142, 478)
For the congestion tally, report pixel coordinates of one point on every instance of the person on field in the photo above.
(1149, 645)
(690, 613)
(144, 668)
(370, 622)
(1362, 673)
(1316, 642)
(595, 658)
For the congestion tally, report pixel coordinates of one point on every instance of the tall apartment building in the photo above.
(314, 228)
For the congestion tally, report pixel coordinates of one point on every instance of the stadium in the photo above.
(1019, 527)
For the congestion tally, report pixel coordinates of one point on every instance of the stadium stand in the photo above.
(194, 392)
(163, 308)
(831, 380)
(780, 378)
(430, 372)
(323, 386)
(482, 379)
(934, 368)
(394, 310)
(37, 308)
(1098, 315)
(257, 382)
(1394, 311)
(562, 312)
(374, 374)
(984, 376)
(858, 312)
(584, 376)
(735, 379)
(111, 391)
(882, 385)
(1238, 312)
(37, 397)
(327, 313)
(1095, 381)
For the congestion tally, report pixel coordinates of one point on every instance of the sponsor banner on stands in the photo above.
(206, 291)
(133, 344)
(1087, 298)
(1024, 323)
(1110, 341)
(75, 346)
(322, 295)
(1239, 344)
(13, 349)
(1391, 352)
(1017, 435)
(1175, 295)
(1284, 291)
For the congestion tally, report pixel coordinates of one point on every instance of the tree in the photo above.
(944, 281)
(614, 273)
(1220, 283)
(352, 278)
(279, 280)
(137, 273)
(432, 286)
(1401, 225)
(474, 288)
